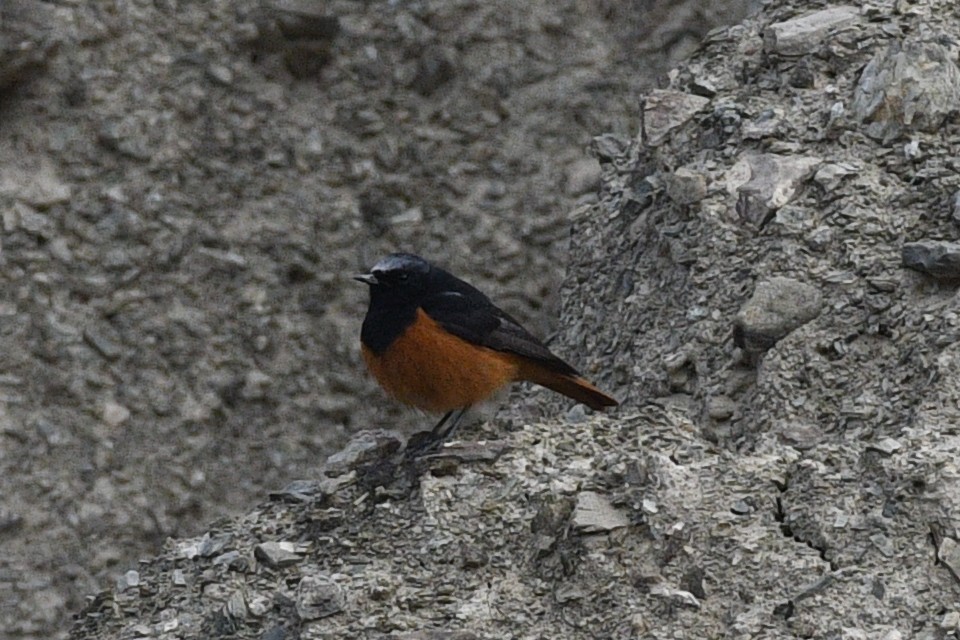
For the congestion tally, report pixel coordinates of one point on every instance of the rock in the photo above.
(212, 545)
(256, 384)
(595, 514)
(319, 596)
(277, 554)
(911, 86)
(365, 447)
(949, 554)
(114, 414)
(39, 186)
(304, 19)
(664, 111)
(582, 176)
(887, 446)
(675, 596)
(128, 580)
(686, 186)
(806, 34)
(777, 307)
(721, 407)
(436, 67)
(934, 258)
(102, 342)
(27, 39)
(766, 182)
(830, 174)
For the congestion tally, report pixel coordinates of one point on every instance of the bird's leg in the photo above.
(425, 442)
(454, 418)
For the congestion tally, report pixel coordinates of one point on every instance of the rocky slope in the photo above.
(767, 281)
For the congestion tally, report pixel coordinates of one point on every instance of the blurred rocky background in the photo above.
(185, 188)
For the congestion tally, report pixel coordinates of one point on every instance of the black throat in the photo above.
(386, 321)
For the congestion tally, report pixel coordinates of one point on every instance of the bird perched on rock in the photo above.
(435, 342)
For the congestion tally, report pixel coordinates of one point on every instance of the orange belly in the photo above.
(429, 368)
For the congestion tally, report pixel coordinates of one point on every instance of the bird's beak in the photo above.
(367, 278)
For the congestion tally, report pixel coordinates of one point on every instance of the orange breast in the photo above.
(429, 368)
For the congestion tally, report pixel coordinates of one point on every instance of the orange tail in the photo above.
(571, 386)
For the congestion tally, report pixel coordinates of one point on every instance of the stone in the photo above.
(582, 176)
(910, 86)
(27, 39)
(665, 110)
(114, 414)
(39, 186)
(949, 554)
(365, 447)
(277, 554)
(932, 257)
(766, 182)
(806, 34)
(777, 307)
(686, 185)
(305, 19)
(106, 346)
(677, 596)
(319, 596)
(594, 514)
(128, 580)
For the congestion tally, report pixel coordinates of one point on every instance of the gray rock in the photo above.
(949, 554)
(595, 514)
(767, 182)
(686, 185)
(910, 86)
(806, 34)
(582, 176)
(665, 110)
(27, 39)
(777, 307)
(938, 259)
(365, 447)
(319, 596)
(299, 19)
(277, 554)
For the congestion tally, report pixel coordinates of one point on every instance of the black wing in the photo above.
(467, 313)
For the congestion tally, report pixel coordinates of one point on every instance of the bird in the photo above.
(437, 343)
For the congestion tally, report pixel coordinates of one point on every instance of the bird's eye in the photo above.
(403, 277)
